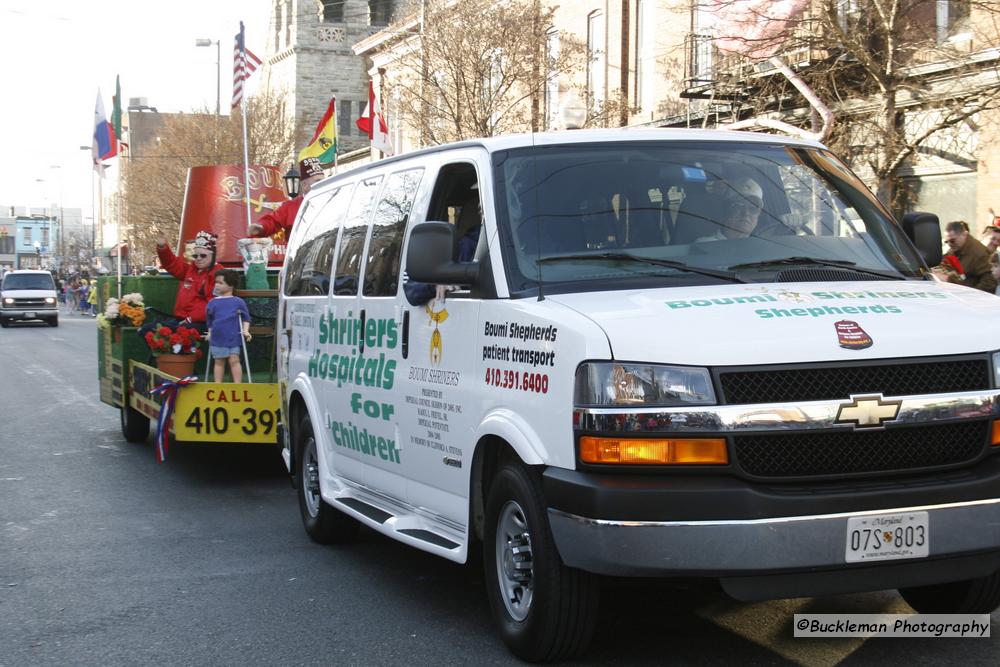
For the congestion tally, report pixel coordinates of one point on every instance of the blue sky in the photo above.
(57, 54)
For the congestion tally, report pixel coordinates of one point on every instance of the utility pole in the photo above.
(623, 113)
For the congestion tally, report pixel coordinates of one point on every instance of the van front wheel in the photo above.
(545, 610)
(323, 523)
(973, 596)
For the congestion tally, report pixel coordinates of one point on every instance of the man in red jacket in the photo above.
(310, 171)
(197, 278)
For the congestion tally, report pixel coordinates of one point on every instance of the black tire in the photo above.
(323, 523)
(544, 610)
(4, 323)
(54, 322)
(973, 596)
(135, 425)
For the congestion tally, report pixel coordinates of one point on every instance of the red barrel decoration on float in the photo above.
(213, 202)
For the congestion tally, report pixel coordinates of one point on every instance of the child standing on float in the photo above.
(228, 320)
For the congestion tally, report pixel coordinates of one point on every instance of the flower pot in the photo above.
(178, 365)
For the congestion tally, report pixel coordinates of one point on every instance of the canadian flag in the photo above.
(372, 123)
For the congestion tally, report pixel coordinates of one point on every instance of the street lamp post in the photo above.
(218, 54)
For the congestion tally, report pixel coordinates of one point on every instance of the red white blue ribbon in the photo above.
(169, 391)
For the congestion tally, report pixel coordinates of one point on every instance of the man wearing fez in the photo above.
(310, 172)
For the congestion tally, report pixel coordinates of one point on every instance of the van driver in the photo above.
(743, 201)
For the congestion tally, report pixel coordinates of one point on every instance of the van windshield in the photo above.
(599, 216)
(19, 281)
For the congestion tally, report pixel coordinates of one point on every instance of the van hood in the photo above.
(731, 325)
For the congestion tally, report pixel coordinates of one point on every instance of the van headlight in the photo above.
(609, 383)
(996, 369)
(49, 299)
(8, 301)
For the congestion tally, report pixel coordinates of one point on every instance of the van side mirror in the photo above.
(428, 257)
(925, 232)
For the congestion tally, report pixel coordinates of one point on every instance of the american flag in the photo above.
(244, 64)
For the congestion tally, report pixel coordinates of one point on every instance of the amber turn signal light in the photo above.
(643, 451)
(995, 439)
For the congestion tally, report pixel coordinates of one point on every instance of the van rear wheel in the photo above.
(323, 523)
(545, 610)
(972, 596)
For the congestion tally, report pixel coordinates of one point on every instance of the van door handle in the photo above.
(361, 341)
(406, 334)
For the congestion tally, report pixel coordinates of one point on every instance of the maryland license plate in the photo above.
(887, 537)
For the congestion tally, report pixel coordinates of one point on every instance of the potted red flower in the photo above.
(176, 350)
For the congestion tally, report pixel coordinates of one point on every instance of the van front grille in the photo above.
(829, 454)
(812, 383)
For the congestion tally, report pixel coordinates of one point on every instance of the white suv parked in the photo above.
(28, 295)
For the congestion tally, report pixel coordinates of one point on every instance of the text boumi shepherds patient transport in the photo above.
(675, 353)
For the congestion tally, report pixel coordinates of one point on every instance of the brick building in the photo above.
(655, 62)
(308, 55)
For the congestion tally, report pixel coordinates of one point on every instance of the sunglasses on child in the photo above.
(201, 256)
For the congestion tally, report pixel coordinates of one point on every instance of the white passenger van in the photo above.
(673, 353)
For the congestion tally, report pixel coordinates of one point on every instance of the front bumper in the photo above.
(29, 313)
(764, 545)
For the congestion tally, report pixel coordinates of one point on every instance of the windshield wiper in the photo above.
(625, 257)
(839, 263)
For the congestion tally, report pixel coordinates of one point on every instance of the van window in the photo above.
(306, 275)
(637, 215)
(15, 281)
(352, 240)
(388, 226)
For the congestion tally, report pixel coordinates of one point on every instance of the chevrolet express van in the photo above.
(28, 295)
(674, 353)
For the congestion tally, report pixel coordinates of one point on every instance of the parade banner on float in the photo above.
(213, 202)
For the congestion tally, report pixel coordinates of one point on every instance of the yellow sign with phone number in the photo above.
(209, 412)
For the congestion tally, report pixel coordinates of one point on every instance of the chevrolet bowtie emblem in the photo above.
(868, 411)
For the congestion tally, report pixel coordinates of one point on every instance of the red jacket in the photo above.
(282, 219)
(195, 288)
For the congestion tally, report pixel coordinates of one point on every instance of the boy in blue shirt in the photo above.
(224, 316)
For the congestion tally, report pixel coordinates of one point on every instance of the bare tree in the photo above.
(153, 184)
(898, 74)
(477, 68)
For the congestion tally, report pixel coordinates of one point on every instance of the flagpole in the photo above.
(118, 233)
(246, 163)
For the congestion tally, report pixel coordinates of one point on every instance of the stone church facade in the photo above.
(308, 55)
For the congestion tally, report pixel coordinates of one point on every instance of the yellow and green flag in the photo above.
(323, 145)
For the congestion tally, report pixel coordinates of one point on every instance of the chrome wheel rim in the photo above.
(514, 561)
(310, 478)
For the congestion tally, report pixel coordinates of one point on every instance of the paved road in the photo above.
(107, 558)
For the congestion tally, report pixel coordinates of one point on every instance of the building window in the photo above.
(45, 236)
(27, 236)
(952, 19)
(277, 27)
(287, 16)
(551, 79)
(847, 14)
(333, 11)
(344, 120)
(595, 60)
(701, 65)
(379, 12)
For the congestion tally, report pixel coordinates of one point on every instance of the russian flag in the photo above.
(105, 145)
